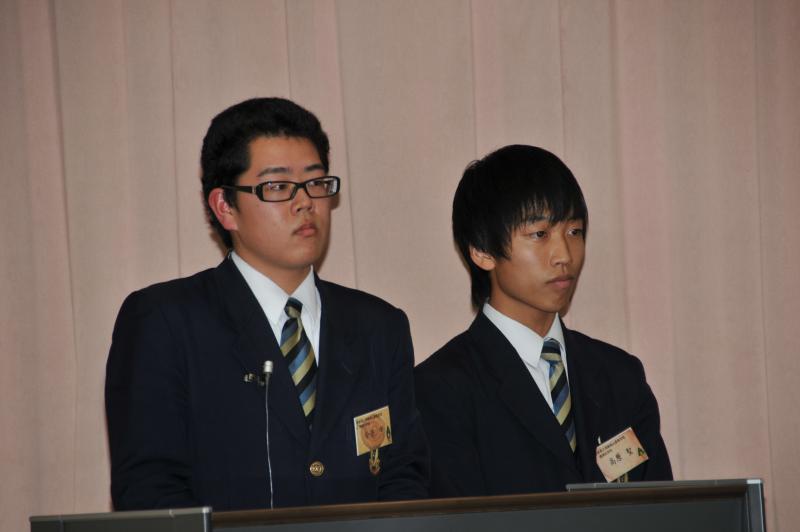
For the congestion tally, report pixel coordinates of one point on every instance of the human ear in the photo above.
(482, 260)
(226, 215)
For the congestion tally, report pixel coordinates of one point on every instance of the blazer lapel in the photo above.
(517, 389)
(256, 344)
(589, 391)
(339, 365)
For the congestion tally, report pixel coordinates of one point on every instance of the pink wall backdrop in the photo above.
(680, 119)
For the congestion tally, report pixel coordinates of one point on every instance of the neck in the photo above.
(536, 320)
(288, 279)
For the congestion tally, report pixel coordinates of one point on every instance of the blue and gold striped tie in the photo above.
(559, 390)
(299, 355)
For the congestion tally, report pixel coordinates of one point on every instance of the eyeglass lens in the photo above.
(284, 190)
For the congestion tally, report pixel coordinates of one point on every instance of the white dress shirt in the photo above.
(273, 300)
(529, 345)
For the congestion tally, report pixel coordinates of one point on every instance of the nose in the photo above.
(302, 201)
(560, 253)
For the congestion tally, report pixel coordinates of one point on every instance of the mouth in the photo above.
(562, 282)
(307, 229)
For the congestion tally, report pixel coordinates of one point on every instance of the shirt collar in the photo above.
(272, 297)
(525, 341)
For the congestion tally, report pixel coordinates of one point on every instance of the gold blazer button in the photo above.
(317, 468)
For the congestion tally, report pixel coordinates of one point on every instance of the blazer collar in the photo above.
(339, 364)
(591, 399)
(255, 343)
(517, 390)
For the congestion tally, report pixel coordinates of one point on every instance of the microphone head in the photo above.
(267, 367)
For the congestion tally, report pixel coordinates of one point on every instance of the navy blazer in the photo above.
(491, 432)
(185, 429)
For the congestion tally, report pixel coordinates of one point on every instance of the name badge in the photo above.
(373, 431)
(619, 454)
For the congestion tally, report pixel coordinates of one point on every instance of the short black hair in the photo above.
(226, 146)
(512, 186)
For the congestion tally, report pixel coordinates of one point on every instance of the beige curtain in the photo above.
(679, 117)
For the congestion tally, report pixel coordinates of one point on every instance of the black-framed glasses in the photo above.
(274, 191)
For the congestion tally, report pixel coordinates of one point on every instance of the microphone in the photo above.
(267, 373)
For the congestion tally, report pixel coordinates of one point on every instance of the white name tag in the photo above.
(619, 454)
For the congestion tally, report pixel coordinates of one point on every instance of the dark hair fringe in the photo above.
(509, 187)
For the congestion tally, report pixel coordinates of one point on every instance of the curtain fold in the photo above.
(678, 118)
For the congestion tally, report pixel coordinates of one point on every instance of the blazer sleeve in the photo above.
(456, 469)
(146, 396)
(647, 426)
(406, 469)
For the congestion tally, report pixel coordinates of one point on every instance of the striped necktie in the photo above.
(299, 355)
(559, 390)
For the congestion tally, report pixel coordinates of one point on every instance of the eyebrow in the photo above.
(285, 170)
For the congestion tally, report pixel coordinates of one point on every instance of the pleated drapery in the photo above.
(678, 117)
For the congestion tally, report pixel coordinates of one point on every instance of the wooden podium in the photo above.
(703, 506)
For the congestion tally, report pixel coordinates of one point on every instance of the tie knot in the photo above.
(551, 351)
(293, 308)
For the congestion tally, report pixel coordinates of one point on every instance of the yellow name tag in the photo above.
(373, 430)
(618, 455)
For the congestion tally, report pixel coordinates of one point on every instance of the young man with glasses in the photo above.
(519, 403)
(256, 384)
